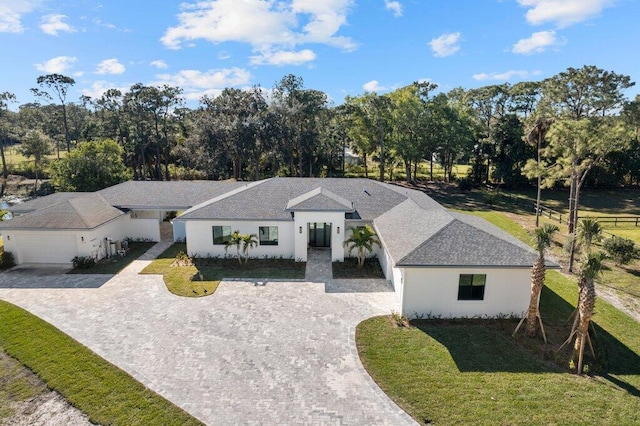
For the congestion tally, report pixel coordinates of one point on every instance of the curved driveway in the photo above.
(279, 353)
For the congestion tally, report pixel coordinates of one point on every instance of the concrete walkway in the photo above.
(282, 353)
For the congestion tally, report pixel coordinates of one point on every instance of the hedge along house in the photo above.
(439, 262)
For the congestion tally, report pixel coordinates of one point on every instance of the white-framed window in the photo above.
(268, 235)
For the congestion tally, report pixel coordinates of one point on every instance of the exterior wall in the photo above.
(91, 243)
(148, 214)
(199, 235)
(301, 221)
(434, 291)
(179, 230)
(148, 229)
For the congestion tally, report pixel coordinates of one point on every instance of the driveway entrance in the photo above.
(278, 353)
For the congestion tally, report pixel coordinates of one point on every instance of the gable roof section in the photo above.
(320, 199)
(406, 226)
(268, 199)
(46, 201)
(87, 211)
(168, 195)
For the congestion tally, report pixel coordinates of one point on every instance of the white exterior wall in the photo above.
(89, 242)
(148, 214)
(434, 291)
(179, 230)
(301, 223)
(199, 235)
(143, 228)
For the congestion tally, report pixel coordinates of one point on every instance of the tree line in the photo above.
(576, 128)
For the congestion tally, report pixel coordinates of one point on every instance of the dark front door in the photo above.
(320, 234)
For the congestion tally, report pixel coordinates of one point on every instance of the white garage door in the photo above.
(47, 248)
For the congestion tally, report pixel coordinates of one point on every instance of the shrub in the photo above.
(83, 262)
(465, 184)
(621, 250)
(6, 260)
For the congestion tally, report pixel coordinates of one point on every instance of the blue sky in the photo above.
(342, 47)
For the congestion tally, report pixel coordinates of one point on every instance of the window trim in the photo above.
(466, 292)
(225, 238)
(268, 242)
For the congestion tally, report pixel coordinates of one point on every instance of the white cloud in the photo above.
(284, 58)
(504, 76)
(445, 45)
(53, 24)
(11, 14)
(160, 64)
(563, 13)
(98, 88)
(197, 83)
(110, 66)
(394, 6)
(267, 26)
(537, 43)
(57, 65)
(373, 86)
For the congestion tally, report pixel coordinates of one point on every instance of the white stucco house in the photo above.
(438, 262)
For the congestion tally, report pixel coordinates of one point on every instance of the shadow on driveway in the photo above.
(49, 276)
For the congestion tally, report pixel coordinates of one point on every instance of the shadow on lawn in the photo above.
(486, 345)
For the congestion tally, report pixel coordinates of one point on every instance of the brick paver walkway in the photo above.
(282, 353)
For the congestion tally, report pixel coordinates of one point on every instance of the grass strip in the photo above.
(104, 392)
(202, 278)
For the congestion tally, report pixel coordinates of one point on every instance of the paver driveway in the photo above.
(282, 353)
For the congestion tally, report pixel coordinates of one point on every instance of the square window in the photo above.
(268, 235)
(221, 235)
(471, 286)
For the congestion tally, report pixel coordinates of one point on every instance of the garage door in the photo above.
(46, 248)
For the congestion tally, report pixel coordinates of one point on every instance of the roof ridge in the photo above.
(224, 196)
(505, 233)
(431, 237)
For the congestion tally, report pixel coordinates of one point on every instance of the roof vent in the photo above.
(366, 192)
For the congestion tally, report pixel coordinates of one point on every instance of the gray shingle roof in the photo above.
(320, 199)
(42, 202)
(171, 195)
(268, 199)
(86, 211)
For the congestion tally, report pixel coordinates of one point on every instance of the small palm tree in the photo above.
(589, 231)
(248, 241)
(236, 241)
(544, 236)
(362, 238)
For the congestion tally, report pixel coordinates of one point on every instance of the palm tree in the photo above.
(236, 241)
(544, 237)
(248, 241)
(591, 267)
(363, 239)
(589, 230)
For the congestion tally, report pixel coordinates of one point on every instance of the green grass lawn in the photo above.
(105, 393)
(349, 269)
(474, 372)
(116, 264)
(202, 278)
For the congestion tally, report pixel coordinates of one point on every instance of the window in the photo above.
(268, 235)
(221, 235)
(471, 286)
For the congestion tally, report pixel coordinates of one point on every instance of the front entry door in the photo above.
(320, 234)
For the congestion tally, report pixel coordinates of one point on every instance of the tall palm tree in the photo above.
(591, 267)
(544, 237)
(589, 231)
(362, 238)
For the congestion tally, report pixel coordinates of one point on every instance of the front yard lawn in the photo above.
(96, 387)
(349, 269)
(475, 372)
(116, 264)
(203, 277)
